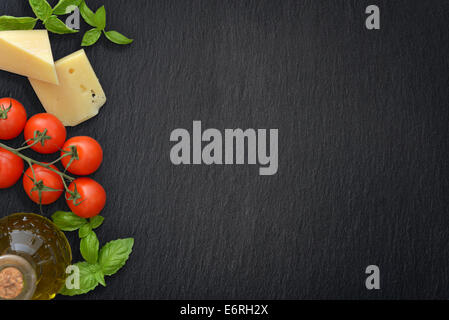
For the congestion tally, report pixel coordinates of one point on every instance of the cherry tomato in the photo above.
(11, 168)
(92, 198)
(45, 178)
(12, 118)
(90, 156)
(55, 130)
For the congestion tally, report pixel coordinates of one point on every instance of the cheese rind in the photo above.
(79, 95)
(28, 53)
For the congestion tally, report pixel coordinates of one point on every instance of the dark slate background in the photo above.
(363, 124)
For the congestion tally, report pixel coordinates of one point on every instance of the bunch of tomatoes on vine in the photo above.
(43, 182)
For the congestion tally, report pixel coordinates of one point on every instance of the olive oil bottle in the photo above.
(34, 255)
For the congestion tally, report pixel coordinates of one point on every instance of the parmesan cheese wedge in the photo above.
(79, 95)
(28, 53)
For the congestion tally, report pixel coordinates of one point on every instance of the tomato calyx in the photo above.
(40, 137)
(73, 153)
(74, 196)
(40, 187)
(4, 112)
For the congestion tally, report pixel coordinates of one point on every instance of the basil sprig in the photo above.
(43, 12)
(49, 17)
(98, 21)
(98, 262)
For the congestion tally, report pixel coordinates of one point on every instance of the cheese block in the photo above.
(79, 95)
(28, 53)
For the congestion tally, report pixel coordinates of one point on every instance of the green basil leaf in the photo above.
(100, 18)
(84, 230)
(53, 24)
(87, 14)
(63, 6)
(96, 221)
(100, 278)
(114, 255)
(17, 23)
(68, 221)
(88, 279)
(91, 37)
(117, 37)
(89, 247)
(41, 9)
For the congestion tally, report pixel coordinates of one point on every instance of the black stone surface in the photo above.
(363, 147)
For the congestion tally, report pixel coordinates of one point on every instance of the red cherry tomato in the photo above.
(92, 198)
(55, 130)
(89, 152)
(11, 168)
(12, 118)
(45, 177)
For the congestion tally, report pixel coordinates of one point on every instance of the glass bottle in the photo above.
(34, 255)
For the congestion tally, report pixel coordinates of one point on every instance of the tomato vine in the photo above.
(41, 137)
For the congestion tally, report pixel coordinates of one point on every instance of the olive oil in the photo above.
(34, 255)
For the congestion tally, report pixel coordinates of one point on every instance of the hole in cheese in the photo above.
(71, 70)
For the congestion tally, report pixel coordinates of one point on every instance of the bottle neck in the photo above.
(17, 278)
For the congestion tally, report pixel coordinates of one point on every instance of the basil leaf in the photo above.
(84, 230)
(87, 14)
(68, 221)
(96, 221)
(89, 247)
(53, 24)
(63, 6)
(114, 255)
(41, 9)
(17, 23)
(90, 37)
(100, 18)
(117, 37)
(88, 279)
(100, 278)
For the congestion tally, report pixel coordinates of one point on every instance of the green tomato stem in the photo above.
(32, 161)
(27, 146)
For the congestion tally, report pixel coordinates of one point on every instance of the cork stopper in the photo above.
(17, 278)
(11, 283)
